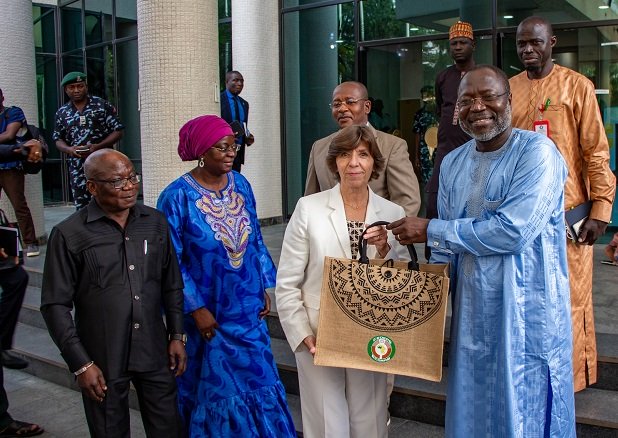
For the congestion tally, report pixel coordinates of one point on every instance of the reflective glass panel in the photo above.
(44, 29)
(292, 3)
(225, 51)
(225, 8)
(126, 18)
(511, 12)
(47, 96)
(382, 19)
(126, 60)
(101, 72)
(319, 53)
(396, 73)
(71, 18)
(98, 21)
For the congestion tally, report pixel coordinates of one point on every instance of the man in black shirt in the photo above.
(114, 262)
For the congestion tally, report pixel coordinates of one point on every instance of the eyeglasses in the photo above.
(230, 147)
(467, 102)
(121, 183)
(336, 104)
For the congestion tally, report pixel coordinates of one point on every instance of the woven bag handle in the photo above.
(362, 248)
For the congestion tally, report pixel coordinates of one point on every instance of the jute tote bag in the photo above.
(383, 315)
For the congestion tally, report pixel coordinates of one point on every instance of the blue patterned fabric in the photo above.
(502, 227)
(231, 387)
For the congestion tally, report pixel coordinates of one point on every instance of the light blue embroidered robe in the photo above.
(502, 228)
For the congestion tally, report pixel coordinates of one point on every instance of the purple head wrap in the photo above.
(200, 134)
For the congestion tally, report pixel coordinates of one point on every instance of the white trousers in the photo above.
(341, 402)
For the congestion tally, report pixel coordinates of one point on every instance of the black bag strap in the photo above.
(362, 248)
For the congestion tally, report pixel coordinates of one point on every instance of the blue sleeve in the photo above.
(172, 203)
(15, 114)
(535, 192)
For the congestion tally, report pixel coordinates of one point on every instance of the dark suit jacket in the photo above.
(226, 114)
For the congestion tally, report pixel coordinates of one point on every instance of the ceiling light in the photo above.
(603, 7)
(507, 17)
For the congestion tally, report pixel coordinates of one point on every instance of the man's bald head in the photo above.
(534, 21)
(101, 161)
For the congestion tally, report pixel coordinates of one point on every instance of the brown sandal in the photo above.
(19, 429)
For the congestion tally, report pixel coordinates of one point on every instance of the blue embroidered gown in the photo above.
(231, 387)
(502, 228)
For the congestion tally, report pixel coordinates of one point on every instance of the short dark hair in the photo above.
(501, 75)
(230, 73)
(348, 139)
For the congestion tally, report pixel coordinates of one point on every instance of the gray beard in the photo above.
(503, 123)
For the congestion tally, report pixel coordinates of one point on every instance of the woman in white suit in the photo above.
(335, 402)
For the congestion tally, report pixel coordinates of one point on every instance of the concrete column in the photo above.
(255, 53)
(178, 79)
(18, 83)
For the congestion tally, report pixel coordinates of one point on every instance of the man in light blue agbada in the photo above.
(501, 226)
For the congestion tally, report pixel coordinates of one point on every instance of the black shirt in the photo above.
(119, 282)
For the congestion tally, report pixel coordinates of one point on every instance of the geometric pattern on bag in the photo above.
(384, 298)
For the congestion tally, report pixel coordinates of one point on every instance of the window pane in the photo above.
(72, 62)
(71, 18)
(44, 29)
(126, 59)
(292, 3)
(560, 11)
(101, 72)
(318, 54)
(225, 8)
(98, 21)
(381, 19)
(126, 18)
(225, 51)
(397, 72)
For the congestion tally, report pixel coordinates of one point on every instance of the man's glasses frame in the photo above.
(121, 183)
(468, 102)
(336, 104)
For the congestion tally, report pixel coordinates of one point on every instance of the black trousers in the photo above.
(156, 393)
(14, 282)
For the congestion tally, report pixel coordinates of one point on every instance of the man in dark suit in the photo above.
(13, 281)
(114, 262)
(235, 108)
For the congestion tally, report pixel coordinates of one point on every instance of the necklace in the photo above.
(355, 206)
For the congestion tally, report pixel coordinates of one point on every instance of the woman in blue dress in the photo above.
(231, 387)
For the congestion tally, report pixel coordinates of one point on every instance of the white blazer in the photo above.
(318, 228)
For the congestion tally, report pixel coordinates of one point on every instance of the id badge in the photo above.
(82, 120)
(542, 127)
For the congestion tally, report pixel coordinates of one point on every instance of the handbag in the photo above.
(383, 315)
(4, 223)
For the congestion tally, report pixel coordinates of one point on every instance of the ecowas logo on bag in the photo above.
(381, 348)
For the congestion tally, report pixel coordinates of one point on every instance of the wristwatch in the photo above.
(177, 337)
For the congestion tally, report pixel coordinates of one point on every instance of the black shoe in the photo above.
(14, 362)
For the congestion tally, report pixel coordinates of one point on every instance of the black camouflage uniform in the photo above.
(92, 125)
